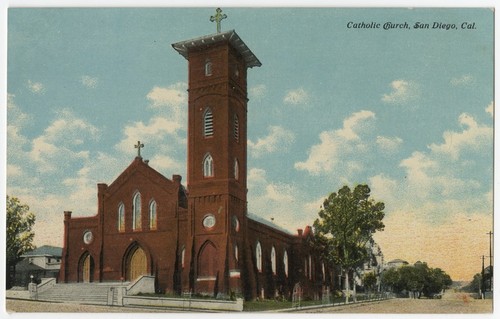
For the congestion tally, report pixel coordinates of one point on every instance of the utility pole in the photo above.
(490, 235)
(482, 280)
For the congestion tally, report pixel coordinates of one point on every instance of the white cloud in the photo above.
(16, 121)
(279, 201)
(167, 163)
(89, 81)
(173, 96)
(463, 80)
(384, 188)
(490, 109)
(36, 87)
(256, 176)
(13, 170)
(258, 91)
(334, 152)
(389, 144)
(402, 92)
(60, 142)
(154, 133)
(297, 96)
(278, 140)
(279, 192)
(473, 137)
(355, 124)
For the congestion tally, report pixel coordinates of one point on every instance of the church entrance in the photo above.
(137, 264)
(87, 269)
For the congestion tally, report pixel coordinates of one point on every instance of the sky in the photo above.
(407, 111)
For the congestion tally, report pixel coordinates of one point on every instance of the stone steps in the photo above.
(90, 293)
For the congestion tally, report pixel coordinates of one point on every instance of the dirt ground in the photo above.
(451, 303)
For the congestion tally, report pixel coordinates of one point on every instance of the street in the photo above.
(451, 303)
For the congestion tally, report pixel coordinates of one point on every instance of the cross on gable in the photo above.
(138, 146)
(218, 18)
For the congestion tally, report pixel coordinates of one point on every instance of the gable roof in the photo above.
(138, 165)
(45, 250)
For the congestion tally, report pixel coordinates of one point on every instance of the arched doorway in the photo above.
(137, 264)
(207, 261)
(86, 272)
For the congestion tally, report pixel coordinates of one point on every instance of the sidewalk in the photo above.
(329, 305)
(17, 294)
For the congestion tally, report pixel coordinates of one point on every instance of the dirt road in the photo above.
(451, 303)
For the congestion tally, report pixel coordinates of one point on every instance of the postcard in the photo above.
(312, 159)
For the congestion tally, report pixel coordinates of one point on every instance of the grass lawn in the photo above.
(265, 305)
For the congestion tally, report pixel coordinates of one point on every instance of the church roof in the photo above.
(231, 36)
(268, 223)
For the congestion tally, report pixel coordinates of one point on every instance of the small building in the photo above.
(42, 262)
(396, 263)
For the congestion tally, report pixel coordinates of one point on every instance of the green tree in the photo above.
(345, 226)
(475, 284)
(417, 280)
(391, 279)
(369, 281)
(19, 234)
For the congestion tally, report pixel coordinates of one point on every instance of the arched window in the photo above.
(323, 270)
(152, 215)
(208, 166)
(236, 169)
(310, 267)
(236, 128)
(273, 260)
(208, 67)
(285, 262)
(183, 257)
(208, 123)
(136, 212)
(236, 252)
(258, 257)
(121, 217)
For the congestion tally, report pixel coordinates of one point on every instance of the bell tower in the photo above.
(217, 156)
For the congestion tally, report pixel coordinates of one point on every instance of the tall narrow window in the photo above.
(285, 262)
(121, 217)
(236, 253)
(183, 257)
(152, 215)
(273, 260)
(323, 270)
(258, 257)
(136, 212)
(310, 267)
(236, 128)
(236, 169)
(208, 67)
(208, 123)
(208, 166)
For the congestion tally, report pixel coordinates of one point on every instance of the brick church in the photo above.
(198, 237)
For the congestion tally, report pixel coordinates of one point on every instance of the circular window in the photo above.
(88, 237)
(209, 221)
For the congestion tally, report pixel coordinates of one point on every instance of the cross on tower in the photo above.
(218, 18)
(138, 146)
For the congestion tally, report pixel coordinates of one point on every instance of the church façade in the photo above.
(199, 238)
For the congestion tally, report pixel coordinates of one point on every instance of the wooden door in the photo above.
(138, 265)
(86, 269)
